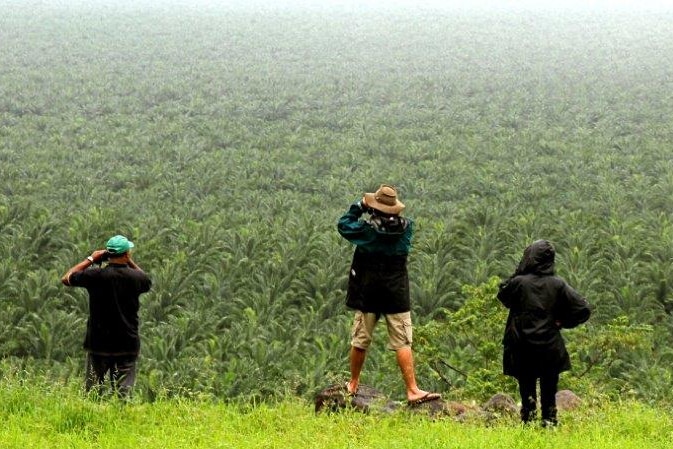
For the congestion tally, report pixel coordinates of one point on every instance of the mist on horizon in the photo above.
(471, 5)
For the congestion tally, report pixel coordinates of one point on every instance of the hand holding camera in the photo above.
(100, 255)
(364, 206)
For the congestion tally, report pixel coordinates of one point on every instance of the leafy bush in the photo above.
(464, 351)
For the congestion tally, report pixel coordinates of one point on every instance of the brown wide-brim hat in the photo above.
(385, 200)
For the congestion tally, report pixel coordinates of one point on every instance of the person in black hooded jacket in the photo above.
(540, 305)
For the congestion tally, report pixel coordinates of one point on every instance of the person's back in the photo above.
(114, 292)
(381, 234)
(112, 341)
(540, 304)
(378, 282)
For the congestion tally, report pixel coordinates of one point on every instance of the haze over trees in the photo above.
(226, 140)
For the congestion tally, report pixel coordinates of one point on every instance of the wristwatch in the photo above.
(90, 259)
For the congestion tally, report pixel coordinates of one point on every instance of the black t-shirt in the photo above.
(112, 327)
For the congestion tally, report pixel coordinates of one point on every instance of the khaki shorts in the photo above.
(399, 330)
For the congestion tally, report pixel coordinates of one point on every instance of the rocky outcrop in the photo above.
(336, 397)
(368, 399)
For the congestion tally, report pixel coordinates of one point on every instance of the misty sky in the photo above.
(438, 4)
(467, 4)
(501, 3)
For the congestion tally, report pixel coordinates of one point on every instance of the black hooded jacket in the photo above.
(539, 304)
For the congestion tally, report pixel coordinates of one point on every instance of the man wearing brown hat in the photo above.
(378, 284)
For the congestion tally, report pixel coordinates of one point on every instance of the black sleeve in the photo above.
(143, 282)
(83, 278)
(575, 309)
(146, 284)
(508, 291)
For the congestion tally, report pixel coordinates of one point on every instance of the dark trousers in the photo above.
(548, 388)
(121, 369)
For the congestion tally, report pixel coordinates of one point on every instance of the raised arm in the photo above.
(508, 291)
(352, 228)
(95, 258)
(134, 265)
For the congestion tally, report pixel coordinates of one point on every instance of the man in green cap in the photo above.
(112, 342)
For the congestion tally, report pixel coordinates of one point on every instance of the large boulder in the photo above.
(432, 407)
(567, 400)
(439, 408)
(336, 397)
(501, 405)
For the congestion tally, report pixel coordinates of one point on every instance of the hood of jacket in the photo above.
(538, 258)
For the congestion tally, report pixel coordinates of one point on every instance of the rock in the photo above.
(453, 408)
(433, 407)
(336, 397)
(501, 404)
(567, 400)
(440, 408)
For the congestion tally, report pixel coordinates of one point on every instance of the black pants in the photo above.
(121, 369)
(548, 388)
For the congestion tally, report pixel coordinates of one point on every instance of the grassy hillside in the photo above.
(39, 416)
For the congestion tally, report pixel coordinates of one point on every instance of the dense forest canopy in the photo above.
(226, 140)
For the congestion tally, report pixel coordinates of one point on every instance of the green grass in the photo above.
(39, 416)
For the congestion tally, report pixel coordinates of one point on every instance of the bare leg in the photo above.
(358, 356)
(405, 360)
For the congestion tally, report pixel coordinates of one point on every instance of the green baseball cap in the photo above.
(119, 244)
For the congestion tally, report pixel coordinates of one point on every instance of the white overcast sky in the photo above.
(496, 3)
(369, 4)
(468, 4)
